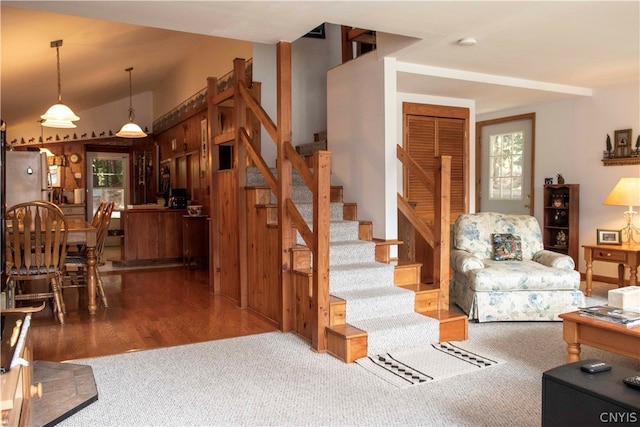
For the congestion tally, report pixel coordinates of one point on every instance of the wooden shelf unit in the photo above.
(561, 216)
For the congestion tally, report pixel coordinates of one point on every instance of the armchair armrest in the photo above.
(554, 259)
(463, 261)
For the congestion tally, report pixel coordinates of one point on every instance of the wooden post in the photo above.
(321, 217)
(287, 235)
(240, 156)
(213, 130)
(442, 228)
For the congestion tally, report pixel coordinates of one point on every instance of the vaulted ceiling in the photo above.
(527, 52)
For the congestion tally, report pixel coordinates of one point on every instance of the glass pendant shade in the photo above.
(59, 115)
(130, 130)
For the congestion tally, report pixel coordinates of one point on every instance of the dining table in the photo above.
(82, 232)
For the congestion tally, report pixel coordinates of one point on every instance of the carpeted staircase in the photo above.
(373, 303)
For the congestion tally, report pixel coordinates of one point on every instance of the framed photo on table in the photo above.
(609, 237)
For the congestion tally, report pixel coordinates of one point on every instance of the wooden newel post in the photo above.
(321, 228)
(442, 228)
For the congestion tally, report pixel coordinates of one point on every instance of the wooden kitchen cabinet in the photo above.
(195, 240)
(152, 235)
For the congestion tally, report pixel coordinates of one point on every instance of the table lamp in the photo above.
(626, 193)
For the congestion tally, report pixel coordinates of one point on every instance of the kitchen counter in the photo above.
(152, 235)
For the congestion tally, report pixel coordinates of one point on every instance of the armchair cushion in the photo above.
(554, 259)
(507, 246)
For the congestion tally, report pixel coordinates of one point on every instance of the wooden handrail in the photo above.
(413, 167)
(421, 227)
(259, 161)
(299, 164)
(300, 224)
(259, 112)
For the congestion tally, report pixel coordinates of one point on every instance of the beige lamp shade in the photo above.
(625, 193)
(131, 130)
(59, 116)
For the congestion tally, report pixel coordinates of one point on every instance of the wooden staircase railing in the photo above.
(438, 234)
(289, 218)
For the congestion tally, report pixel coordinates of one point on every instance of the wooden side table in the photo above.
(624, 255)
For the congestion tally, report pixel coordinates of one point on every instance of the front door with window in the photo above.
(506, 148)
(108, 181)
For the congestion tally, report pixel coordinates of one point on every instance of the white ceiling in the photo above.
(542, 50)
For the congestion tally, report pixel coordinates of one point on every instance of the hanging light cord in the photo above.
(57, 44)
(131, 114)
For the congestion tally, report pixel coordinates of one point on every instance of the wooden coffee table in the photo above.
(609, 336)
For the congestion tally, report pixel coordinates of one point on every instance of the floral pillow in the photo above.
(507, 247)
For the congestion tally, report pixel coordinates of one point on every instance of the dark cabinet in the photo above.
(152, 235)
(195, 240)
(561, 230)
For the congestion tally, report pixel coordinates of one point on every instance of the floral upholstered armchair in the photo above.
(502, 273)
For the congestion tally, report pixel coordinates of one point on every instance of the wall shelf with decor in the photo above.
(560, 228)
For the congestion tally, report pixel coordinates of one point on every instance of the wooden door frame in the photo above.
(479, 126)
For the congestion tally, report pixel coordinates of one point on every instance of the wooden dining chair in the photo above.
(36, 242)
(77, 265)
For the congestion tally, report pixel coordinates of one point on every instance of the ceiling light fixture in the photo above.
(131, 130)
(467, 41)
(59, 115)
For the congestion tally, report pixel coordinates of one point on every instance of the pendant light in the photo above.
(59, 115)
(131, 130)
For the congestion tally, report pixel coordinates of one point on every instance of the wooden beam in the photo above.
(213, 130)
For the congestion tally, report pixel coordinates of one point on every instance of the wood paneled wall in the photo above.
(183, 148)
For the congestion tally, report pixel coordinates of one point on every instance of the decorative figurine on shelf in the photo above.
(638, 146)
(609, 146)
(561, 239)
(560, 179)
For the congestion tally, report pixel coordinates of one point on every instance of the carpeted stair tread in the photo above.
(385, 334)
(376, 302)
(339, 230)
(360, 276)
(351, 251)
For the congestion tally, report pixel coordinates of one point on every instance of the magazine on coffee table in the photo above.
(628, 318)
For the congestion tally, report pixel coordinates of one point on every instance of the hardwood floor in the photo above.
(148, 309)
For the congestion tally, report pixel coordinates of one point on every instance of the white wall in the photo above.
(310, 60)
(356, 138)
(103, 119)
(570, 139)
(212, 58)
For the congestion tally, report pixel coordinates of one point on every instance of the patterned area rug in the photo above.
(425, 364)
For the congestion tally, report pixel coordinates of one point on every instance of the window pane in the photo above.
(505, 162)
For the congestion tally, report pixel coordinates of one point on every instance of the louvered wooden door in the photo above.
(430, 131)
(425, 138)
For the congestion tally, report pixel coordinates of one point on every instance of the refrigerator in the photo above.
(26, 175)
